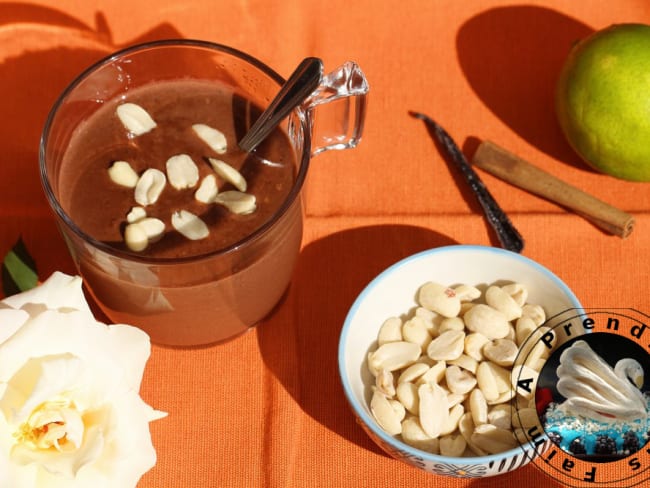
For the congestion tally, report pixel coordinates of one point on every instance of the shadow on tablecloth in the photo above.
(331, 272)
(512, 57)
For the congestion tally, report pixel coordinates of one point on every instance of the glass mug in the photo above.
(215, 296)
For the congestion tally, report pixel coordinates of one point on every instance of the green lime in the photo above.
(603, 100)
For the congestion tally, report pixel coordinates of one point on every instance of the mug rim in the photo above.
(149, 260)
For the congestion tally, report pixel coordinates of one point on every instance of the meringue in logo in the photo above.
(592, 397)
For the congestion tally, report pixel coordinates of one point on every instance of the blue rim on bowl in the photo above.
(396, 447)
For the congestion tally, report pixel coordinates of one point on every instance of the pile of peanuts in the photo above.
(446, 373)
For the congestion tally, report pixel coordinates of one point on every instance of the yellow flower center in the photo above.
(54, 425)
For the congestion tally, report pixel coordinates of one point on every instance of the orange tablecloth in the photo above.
(267, 409)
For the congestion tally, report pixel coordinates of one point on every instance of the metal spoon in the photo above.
(302, 83)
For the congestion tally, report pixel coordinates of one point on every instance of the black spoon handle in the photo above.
(506, 232)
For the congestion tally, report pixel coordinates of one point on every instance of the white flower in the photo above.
(70, 411)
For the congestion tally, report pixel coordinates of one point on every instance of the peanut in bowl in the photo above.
(410, 425)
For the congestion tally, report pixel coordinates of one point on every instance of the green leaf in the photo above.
(18, 270)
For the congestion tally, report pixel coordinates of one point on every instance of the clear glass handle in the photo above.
(337, 109)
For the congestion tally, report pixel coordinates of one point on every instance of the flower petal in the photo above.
(117, 354)
(39, 380)
(129, 440)
(10, 321)
(134, 351)
(59, 291)
(62, 464)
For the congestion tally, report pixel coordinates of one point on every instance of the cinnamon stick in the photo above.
(515, 170)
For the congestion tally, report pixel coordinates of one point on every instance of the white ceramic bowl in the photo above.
(392, 293)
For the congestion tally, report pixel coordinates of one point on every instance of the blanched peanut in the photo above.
(502, 377)
(487, 381)
(431, 319)
(464, 307)
(439, 298)
(533, 341)
(512, 333)
(466, 362)
(237, 202)
(536, 364)
(182, 171)
(459, 381)
(407, 393)
(452, 445)
(413, 435)
(448, 345)
(424, 359)
(478, 407)
(390, 331)
(455, 413)
(398, 408)
(535, 312)
(518, 292)
(434, 411)
(229, 174)
(466, 429)
(385, 413)
(212, 137)
(123, 174)
(474, 343)
(467, 293)
(466, 425)
(498, 299)
(487, 320)
(413, 372)
(492, 439)
(524, 327)
(504, 397)
(525, 418)
(149, 186)
(538, 352)
(154, 228)
(135, 213)
(521, 436)
(521, 402)
(189, 225)
(415, 330)
(435, 374)
(395, 355)
(385, 383)
(135, 237)
(371, 366)
(207, 190)
(500, 416)
(501, 351)
(454, 399)
(451, 323)
(135, 118)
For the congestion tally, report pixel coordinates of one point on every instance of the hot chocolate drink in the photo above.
(100, 206)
